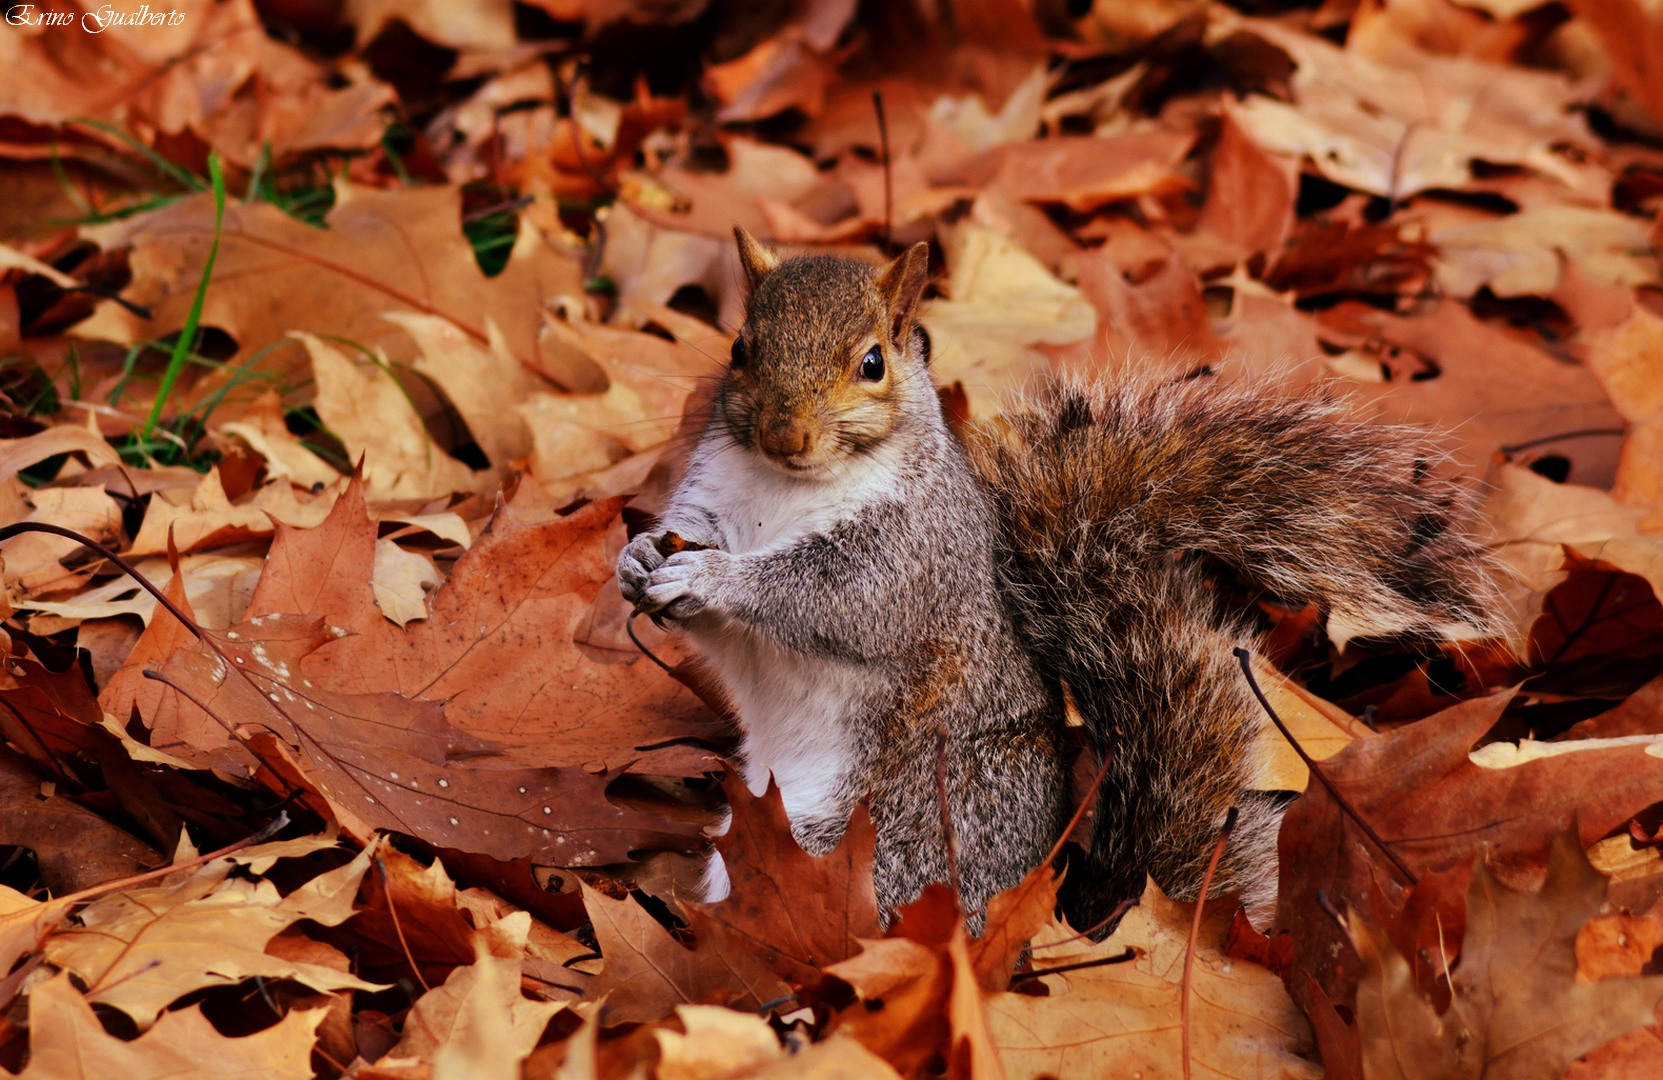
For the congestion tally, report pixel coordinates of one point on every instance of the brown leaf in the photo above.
(1517, 1010)
(386, 761)
(1122, 1018)
(68, 1043)
(400, 250)
(1420, 791)
(647, 972)
(797, 912)
(74, 846)
(140, 949)
(498, 649)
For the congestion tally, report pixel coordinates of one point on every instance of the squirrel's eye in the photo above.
(871, 365)
(739, 353)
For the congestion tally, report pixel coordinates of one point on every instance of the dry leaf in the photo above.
(477, 1023)
(382, 250)
(498, 648)
(1517, 1011)
(68, 1043)
(32, 560)
(718, 1044)
(140, 949)
(1124, 1018)
(74, 847)
(401, 581)
(1003, 301)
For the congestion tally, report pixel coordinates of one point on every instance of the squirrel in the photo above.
(865, 582)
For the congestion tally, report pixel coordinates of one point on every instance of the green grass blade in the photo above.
(187, 336)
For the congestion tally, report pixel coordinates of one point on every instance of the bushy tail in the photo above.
(1106, 496)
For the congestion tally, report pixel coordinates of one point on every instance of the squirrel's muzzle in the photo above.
(784, 436)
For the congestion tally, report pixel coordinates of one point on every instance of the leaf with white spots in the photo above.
(384, 761)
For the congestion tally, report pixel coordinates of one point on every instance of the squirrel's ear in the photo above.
(900, 284)
(755, 259)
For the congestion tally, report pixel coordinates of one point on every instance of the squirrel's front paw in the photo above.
(635, 565)
(686, 583)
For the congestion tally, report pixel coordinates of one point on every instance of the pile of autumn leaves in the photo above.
(477, 809)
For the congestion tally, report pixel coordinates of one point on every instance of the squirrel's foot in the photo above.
(686, 583)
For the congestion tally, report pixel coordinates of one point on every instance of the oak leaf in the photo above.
(1434, 804)
(386, 761)
(647, 972)
(74, 847)
(140, 949)
(497, 648)
(477, 1023)
(1124, 1018)
(797, 912)
(68, 1043)
(1517, 1009)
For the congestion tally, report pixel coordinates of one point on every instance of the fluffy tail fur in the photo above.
(1112, 501)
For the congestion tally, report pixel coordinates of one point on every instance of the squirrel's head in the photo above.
(829, 357)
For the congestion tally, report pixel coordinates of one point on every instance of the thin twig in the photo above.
(629, 628)
(1582, 433)
(1118, 913)
(1101, 961)
(888, 179)
(1195, 930)
(392, 909)
(1244, 658)
(946, 815)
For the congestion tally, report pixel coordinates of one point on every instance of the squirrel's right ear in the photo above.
(755, 259)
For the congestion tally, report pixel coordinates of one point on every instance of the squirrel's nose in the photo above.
(785, 437)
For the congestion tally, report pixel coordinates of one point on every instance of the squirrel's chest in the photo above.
(755, 507)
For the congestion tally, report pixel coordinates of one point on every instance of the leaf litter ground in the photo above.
(472, 286)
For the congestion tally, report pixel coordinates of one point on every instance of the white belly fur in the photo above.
(792, 707)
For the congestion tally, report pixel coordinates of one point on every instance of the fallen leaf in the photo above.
(1625, 360)
(1434, 805)
(1124, 1018)
(32, 560)
(1517, 1009)
(400, 581)
(1524, 253)
(209, 519)
(498, 646)
(647, 973)
(1003, 301)
(74, 847)
(795, 911)
(477, 1023)
(140, 949)
(218, 588)
(68, 1043)
(381, 250)
(717, 1043)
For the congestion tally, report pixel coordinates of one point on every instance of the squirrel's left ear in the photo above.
(900, 284)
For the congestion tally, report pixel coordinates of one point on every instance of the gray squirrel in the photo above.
(861, 579)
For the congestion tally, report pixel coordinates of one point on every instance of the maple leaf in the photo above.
(1517, 1008)
(918, 993)
(498, 648)
(68, 1043)
(797, 912)
(1434, 805)
(385, 761)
